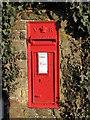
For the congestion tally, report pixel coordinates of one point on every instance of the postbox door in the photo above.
(43, 82)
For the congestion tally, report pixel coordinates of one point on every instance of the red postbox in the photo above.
(43, 65)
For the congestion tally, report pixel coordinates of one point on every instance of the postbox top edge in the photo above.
(42, 22)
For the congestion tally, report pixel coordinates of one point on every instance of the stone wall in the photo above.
(19, 87)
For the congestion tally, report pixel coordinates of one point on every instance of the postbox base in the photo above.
(44, 106)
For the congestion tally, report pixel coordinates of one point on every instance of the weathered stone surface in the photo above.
(18, 113)
(18, 35)
(19, 25)
(33, 113)
(17, 93)
(24, 73)
(20, 96)
(19, 83)
(24, 83)
(23, 55)
(21, 64)
(22, 111)
(20, 55)
(14, 103)
(19, 45)
(45, 113)
(15, 35)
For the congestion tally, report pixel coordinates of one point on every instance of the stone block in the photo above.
(23, 55)
(22, 64)
(18, 35)
(13, 89)
(33, 113)
(45, 113)
(23, 83)
(17, 55)
(24, 112)
(17, 112)
(19, 91)
(24, 73)
(14, 103)
(19, 25)
(23, 98)
(15, 94)
(15, 35)
(19, 45)
(20, 55)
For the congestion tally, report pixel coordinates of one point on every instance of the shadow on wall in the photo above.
(6, 105)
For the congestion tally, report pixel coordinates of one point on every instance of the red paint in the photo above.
(43, 87)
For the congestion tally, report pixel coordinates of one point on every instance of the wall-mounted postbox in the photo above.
(43, 65)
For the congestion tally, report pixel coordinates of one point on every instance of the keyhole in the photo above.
(39, 80)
